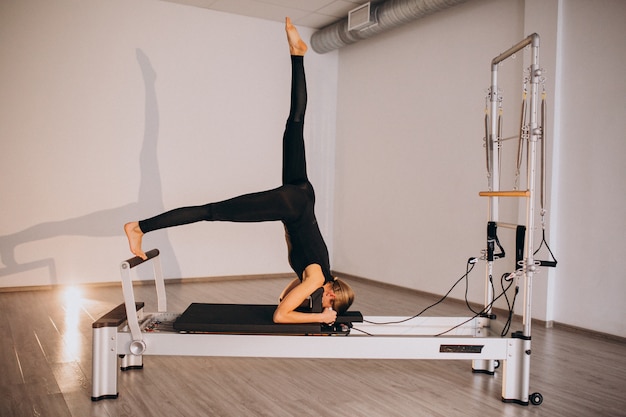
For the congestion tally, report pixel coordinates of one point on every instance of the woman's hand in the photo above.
(328, 316)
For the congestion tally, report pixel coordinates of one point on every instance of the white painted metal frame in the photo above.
(128, 342)
(413, 339)
(493, 143)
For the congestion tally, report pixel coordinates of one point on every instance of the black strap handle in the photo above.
(492, 241)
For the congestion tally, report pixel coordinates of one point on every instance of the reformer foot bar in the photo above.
(124, 335)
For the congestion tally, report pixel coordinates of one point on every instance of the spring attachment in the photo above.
(543, 153)
(492, 138)
(487, 144)
(551, 263)
(499, 140)
(523, 137)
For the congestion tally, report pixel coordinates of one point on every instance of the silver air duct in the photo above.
(385, 15)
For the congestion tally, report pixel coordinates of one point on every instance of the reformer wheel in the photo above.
(536, 398)
(496, 364)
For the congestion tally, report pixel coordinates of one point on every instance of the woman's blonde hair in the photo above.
(344, 296)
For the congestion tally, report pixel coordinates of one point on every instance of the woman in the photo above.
(292, 203)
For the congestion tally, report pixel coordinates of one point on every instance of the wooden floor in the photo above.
(45, 362)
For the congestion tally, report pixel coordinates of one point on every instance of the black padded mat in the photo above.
(252, 319)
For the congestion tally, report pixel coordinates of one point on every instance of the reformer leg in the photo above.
(130, 362)
(104, 354)
(516, 372)
(484, 366)
(104, 363)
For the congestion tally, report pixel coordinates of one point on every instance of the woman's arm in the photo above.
(313, 278)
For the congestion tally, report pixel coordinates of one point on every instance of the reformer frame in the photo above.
(124, 335)
(121, 338)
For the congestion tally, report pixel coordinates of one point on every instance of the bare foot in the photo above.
(296, 44)
(134, 235)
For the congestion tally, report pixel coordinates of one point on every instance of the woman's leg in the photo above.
(294, 160)
(285, 203)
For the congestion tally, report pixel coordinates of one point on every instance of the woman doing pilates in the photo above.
(292, 203)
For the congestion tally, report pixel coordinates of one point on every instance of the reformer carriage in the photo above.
(122, 337)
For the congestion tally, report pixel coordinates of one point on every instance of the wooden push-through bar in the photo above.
(515, 193)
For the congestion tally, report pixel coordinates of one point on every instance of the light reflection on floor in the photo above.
(72, 299)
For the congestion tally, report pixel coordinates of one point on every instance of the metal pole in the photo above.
(494, 174)
(534, 136)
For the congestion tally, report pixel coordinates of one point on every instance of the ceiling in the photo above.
(310, 13)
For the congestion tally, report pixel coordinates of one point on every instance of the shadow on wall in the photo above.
(108, 222)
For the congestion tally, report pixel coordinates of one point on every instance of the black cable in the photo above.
(472, 262)
(362, 331)
(511, 306)
(487, 307)
(468, 270)
(467, 288)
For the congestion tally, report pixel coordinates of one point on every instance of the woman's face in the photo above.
(329, 296)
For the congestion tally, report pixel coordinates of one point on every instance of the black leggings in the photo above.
(285, 203)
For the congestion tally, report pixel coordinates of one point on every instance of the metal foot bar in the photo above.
(138, 346)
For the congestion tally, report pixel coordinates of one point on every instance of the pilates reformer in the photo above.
(127, 333)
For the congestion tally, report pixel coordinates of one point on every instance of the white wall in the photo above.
(88, 142)
(591, 280)
(410, 159)
(114, 110)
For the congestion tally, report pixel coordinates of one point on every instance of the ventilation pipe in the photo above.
(386, 15)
